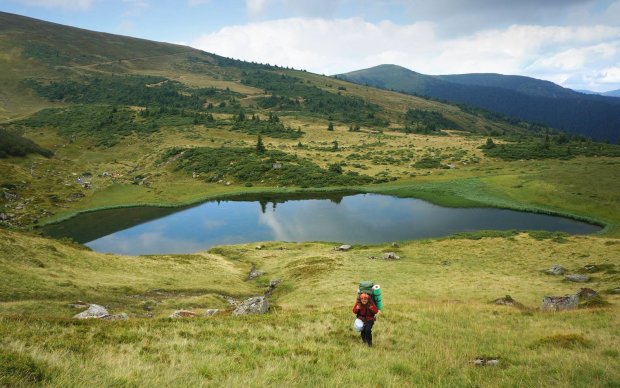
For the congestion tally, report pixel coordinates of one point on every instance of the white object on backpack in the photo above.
(358, 325)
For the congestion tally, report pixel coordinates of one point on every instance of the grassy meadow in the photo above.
(439, 315)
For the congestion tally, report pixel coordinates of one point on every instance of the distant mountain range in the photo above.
(611, 93)
(530, 99)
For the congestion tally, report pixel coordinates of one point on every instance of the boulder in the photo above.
(183, 314)
(556, 269)
(578, 278)
(390, 256)
(558, 303)
(94, 311)
(343, 248)
(274, 283)
(211, 312)
(586, 294)
(255, 305)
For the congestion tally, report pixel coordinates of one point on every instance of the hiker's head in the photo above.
(364, 298)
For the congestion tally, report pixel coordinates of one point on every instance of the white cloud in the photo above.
(340, 45)
(66, 4)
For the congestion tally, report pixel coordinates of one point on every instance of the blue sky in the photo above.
(575, 43)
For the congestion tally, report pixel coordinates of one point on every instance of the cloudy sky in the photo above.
(575, 43)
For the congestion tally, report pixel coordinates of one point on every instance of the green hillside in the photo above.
(159, 124)
(517, 97)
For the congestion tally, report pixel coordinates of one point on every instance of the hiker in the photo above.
(365, 309)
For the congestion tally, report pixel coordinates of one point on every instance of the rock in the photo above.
(615, 290)
(343, 248)
(259, 247)
(4, 217)
(558, 303)
(372, 257)
(183, 314)
(579, 278)
(255, 305)
(586, 294)
(508, 301)
(211, 312)
(486, 361)
(556, 269)
(116, 317)
(390, 256)
(394, 245)
(274, 283)
(94, 311)
(254, 273)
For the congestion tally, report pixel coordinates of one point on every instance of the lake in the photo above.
(341, 218)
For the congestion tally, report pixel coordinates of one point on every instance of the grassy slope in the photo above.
(438, 316)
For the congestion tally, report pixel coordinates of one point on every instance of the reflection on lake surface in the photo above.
(360, 218)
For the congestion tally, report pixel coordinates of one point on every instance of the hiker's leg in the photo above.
(363, 335)
(368, 329)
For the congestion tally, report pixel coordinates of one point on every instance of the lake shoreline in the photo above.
(443, 198)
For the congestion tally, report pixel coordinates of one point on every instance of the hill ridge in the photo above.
(517, 96)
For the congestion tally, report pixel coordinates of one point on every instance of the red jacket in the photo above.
(365, 312)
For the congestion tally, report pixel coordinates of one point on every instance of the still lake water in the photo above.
(359, 218)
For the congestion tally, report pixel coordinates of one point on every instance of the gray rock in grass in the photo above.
(556, 269)
(94, 311)
(559, 303)
(255, 305)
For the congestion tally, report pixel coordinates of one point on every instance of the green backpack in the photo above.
(368, 287)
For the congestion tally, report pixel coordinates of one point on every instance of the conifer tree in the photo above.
(260, 147)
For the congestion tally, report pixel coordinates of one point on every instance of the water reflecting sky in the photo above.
(361, 218)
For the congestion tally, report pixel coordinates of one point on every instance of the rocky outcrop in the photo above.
(255, 305)
(343, 248)
(556, 269)
(559, 303)
(210, 312)
(94, 311)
